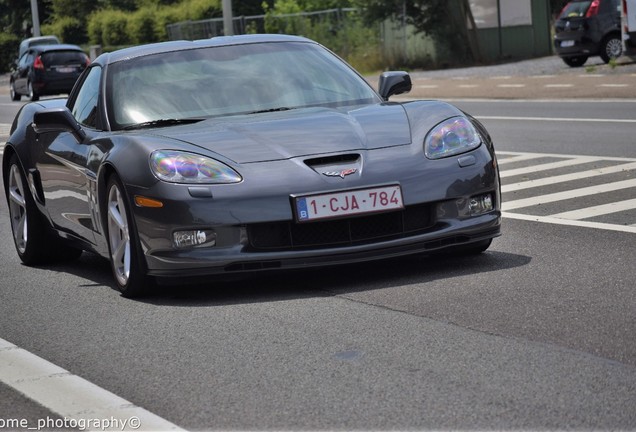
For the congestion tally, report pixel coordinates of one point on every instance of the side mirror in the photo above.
(394, 83)
(57, 119)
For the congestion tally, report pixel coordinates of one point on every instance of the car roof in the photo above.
(164, 47)
(32, 41)
(55, 47)
(39, 38)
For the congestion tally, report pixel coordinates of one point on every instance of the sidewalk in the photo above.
(543, 78)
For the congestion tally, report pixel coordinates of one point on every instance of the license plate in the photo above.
(567, 43)
(354, 202)
(65, 70)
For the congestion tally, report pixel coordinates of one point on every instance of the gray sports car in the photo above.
(239, 154)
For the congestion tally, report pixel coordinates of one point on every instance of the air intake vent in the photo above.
(329, 160)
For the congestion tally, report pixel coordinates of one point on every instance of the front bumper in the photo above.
(237, 261)
(440, 190)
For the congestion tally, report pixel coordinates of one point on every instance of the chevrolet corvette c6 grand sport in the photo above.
(242, 154)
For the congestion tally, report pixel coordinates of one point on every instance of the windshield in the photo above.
(575, 9)
(230, 80)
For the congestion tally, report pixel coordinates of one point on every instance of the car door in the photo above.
(22, 72)
(68, 185)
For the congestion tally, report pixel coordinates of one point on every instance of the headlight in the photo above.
(451, 137)
(181, 167)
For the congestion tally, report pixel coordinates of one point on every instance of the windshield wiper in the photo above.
(271, 110)
(162, 122)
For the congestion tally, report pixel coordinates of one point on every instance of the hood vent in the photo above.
(337, 166)
(333, 160)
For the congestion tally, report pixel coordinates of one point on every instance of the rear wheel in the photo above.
(576, 61)
(15, 96)
(123, 244)
(31, 94)
(611, 48)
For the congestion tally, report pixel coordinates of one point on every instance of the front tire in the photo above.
(33, 241)
(27, 226)
(476, 248)
(576, 61)
(611, 48)
(123, 244)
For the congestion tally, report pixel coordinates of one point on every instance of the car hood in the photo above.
(296, 133)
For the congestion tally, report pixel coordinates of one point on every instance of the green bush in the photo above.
(141, 26)
(114, 27)
(68, 30)
(165, 16)
(9, 44)
(95, 29)
(201, 9)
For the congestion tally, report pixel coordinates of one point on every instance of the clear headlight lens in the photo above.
(451, 137)
(181, 167)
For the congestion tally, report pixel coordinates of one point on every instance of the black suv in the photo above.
(588, 28)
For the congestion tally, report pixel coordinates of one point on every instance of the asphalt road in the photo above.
(536, 333)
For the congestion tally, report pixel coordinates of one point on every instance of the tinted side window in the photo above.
(84, 108)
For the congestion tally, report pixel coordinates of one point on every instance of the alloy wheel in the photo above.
(118, 235)
(14, 95)
(614, 48)
(18, 208)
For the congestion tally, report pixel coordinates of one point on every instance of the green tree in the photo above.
(250, 7)
(443, 20)
(73, 8)
(424, 15)
(16, 14)
(316, 5)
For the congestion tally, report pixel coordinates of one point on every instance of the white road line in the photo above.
(468, 85)
(5, 129)
(568, 222)
(428, 86)
(575, 193)
(600, 210)
(566, 156)
(519, 158)
(68, 395)
(591, 76)
(548, 166)
(567, 177)
(558, 119)
(613, 85)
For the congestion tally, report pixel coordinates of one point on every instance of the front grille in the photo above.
(341, 232)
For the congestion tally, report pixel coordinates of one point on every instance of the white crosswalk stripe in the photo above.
(4, 130)
(4, 135)
(534, 174)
